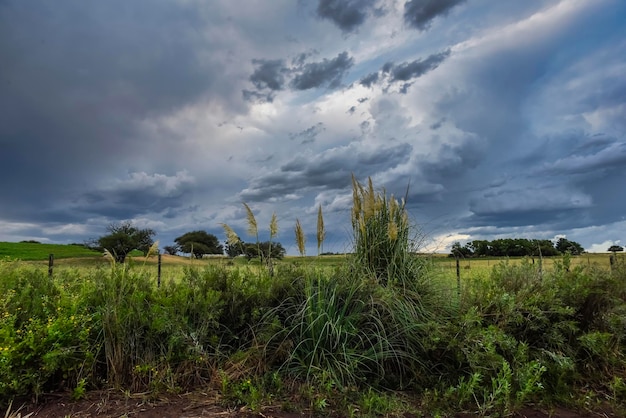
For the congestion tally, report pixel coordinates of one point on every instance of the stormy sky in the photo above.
(501, 119)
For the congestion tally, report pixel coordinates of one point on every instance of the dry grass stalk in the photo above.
(300, 238)
(231, 236)
(108, 256)
(392, 230)
(321, 232)
(356, 201)
(17, 413)
(153, 250)
(253, 228)
(273, 226)
(369, 198)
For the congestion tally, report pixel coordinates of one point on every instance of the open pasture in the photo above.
(172, 267)
(470, 267)
(38, 251)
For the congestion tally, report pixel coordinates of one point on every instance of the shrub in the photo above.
(44, 335)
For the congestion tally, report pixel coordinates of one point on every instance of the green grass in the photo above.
(28, 251)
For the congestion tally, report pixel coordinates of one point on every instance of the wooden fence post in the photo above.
(458, 278)
(612, 260)
(159, 271)
(50, 264)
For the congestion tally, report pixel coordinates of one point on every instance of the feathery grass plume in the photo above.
(253, 228)
(273, 226)
(393, 206)
(321, 232)
(392, 230)
(273, 232)
(300, 239)
(108, 256)
(369, 197)
(231, 236)
(153, 250)
(356, 202)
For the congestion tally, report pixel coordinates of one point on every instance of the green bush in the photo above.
(44, 336)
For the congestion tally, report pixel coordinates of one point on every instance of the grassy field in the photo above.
(36, 251)
(472, 266)
(76, 256)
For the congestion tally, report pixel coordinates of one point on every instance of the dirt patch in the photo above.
(110, 404)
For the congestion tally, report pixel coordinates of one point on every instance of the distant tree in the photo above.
(123, 238)
(507, 247)
(480, 248)
(461, 251)
(171, 249)
(615, 248)
(252, 250)
(235, 249)
(543, 248)
(564, 245)
(199, 243)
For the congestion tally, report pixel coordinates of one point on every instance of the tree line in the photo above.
(516, 247)
(123, 238)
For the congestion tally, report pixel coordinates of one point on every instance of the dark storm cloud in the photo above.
(329, 170)
(268, 74)
(308, 135)
(420, 13)
(140, 193)
(451, 161)
(603, 156)
(404, 72)
(346, 14)
(409, 70)
(548, 219)
(255, 96)
(325, 73)
(369, 79)
(76, 80)
(552, 206)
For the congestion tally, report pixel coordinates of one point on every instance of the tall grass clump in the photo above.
(330, 334)
(368, 322)
(383, 246)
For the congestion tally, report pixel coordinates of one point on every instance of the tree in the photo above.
(543, 248)
(463, 252)
(480, 248)
(199, 243)
(171, 249)
(252, 250)
(235, 249)
(615, 248)
(124, 238)
(564, 245)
